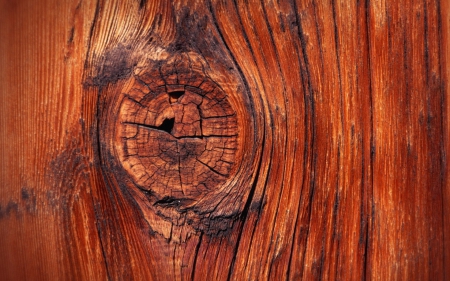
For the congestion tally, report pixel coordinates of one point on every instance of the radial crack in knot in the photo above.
(177, 138)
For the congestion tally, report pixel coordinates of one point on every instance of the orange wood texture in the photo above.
(343, 141)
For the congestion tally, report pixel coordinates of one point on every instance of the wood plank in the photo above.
(224, 140)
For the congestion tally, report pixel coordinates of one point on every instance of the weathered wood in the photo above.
(240, 140)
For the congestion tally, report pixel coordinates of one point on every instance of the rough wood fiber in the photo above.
(224, 140)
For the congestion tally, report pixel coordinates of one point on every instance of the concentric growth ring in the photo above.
(176, 134)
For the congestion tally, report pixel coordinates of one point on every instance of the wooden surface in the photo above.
(340, 169)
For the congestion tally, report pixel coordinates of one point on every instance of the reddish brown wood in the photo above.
(47, 219)
(175, 137)
(445, 72)
(224, 140)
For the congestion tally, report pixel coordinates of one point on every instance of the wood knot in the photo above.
(178, 138)
(174, 136)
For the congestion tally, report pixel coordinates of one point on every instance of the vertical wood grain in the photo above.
(47, 224)
(445, 70)
(408, 140)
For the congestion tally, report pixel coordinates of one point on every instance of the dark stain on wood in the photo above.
(115, 64)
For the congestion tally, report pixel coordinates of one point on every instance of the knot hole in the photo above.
(174, 96)
(167, 125)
